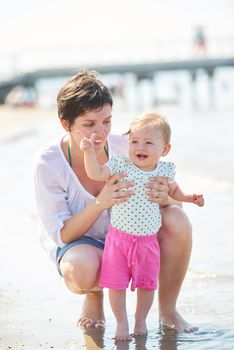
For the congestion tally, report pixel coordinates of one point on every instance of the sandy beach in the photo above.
(37, 311)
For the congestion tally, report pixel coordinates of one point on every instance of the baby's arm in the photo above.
(176, 193)
(94, 170)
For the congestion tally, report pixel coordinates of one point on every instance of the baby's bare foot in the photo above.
(122, 332)
(140, 328)
(174, 320)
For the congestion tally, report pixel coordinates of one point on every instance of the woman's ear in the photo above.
(166, 150)
(65, 124)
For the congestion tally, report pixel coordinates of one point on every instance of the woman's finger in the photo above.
(155, 194)
(112, 180)
(159, 179)
(122, 185)
(122, 194)
(120, 200)
(155, 186)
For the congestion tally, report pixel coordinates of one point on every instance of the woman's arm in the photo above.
(111, 194)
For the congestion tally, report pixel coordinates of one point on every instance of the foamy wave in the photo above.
(196, 275)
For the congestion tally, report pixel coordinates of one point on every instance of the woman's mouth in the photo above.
(97, 142)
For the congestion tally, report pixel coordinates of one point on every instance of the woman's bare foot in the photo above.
(92, 313)
(172, 319)
(140, 328)
(122, 332)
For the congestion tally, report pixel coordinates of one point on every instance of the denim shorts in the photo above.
(83, 240)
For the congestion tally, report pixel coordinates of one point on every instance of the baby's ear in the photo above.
(166, 150)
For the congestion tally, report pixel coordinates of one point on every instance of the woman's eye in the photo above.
(88, 125)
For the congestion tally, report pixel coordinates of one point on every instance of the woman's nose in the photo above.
(100, 131)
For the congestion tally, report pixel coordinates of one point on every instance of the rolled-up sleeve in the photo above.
(51, 200)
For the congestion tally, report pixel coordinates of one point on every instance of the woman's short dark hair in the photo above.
(82, 93)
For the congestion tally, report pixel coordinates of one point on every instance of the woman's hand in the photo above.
(114, 192)
(157, 190)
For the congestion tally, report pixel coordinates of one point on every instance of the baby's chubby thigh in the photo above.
(148, 263)
(114, 270)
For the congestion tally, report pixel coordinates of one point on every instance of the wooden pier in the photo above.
(141, 70)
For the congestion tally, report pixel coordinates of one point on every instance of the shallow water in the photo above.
(203, 148)
(209, 338)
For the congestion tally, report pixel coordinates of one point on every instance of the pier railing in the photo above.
(89, 54)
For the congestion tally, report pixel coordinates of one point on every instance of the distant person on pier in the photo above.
(20, 96)
(199, 42)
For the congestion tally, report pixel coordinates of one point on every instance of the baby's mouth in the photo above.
(141, 156)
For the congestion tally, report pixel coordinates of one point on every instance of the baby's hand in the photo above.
(198, 200)
(85, 144)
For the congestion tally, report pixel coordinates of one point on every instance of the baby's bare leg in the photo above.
(145, 300)
(118, 305)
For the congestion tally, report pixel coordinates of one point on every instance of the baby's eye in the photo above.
(134, 141)
(149, 143)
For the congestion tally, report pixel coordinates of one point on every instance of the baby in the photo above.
(131, 248)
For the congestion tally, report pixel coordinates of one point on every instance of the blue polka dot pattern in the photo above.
(138, 216)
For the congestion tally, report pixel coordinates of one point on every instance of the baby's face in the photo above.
(146, 146)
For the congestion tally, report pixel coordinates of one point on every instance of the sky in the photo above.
(47, 25)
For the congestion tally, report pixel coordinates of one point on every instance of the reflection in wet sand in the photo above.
(167, 339)
(94, 338)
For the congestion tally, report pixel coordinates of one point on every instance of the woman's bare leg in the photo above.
(118, 306)
(80, 267)
(145, 300)
(175, 239)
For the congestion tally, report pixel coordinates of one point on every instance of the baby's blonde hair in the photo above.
(153, 120)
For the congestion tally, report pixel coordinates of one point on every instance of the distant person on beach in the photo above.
(199, 41)
(131, 247)
(75, 210)
(21, 96)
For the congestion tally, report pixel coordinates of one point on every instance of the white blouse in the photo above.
(60, 195)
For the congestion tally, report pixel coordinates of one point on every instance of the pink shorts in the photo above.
(130, 257)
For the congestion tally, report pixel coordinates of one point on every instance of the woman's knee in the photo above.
(175, 222)
(80, 275)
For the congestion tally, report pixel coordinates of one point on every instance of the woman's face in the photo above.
(96, 121)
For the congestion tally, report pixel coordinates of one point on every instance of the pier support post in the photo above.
(145, 101)
(194, 100)
(210, 73)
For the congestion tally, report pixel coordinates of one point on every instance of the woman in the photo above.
(74, 209)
